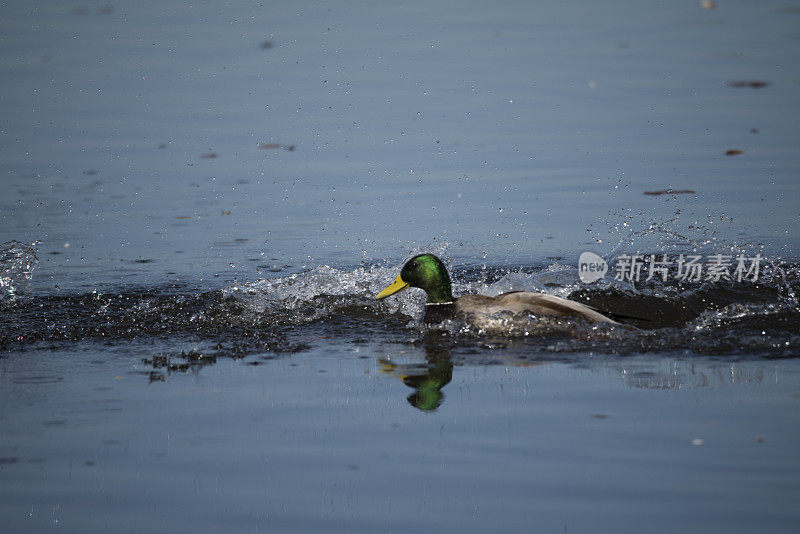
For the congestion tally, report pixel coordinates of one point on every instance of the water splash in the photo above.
(17, 261)
(324, 292)
(288, 313)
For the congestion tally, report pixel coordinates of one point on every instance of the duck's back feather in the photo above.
(527, 302)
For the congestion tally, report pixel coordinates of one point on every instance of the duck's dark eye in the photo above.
(414, 265)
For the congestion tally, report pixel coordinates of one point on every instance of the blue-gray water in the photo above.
(215, 193)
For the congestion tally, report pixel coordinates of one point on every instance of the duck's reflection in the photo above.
(428, 378)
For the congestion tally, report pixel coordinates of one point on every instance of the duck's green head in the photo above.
(427, 272)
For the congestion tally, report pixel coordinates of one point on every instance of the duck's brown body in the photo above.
(476, 308)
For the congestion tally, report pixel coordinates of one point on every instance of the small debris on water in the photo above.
(210, 155)
(753, 84)
(733, 152)
(274, 146)
(670, 192)
(708, 4)
(697, 442)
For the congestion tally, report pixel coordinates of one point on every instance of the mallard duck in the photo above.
(427, 272)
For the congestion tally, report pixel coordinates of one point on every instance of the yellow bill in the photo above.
(398, 285)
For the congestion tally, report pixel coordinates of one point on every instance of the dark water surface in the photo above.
(200, 202)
